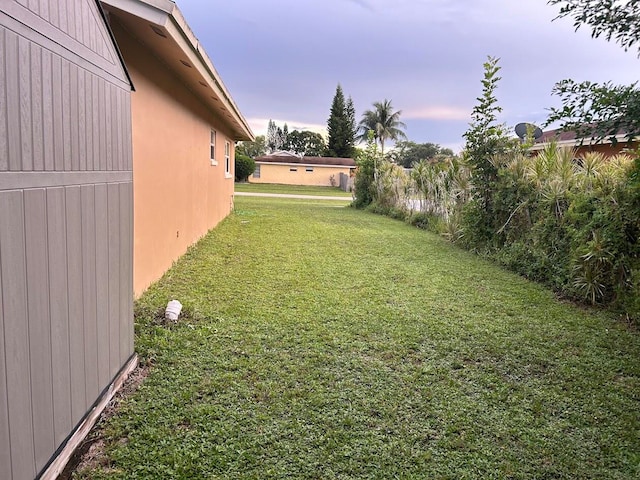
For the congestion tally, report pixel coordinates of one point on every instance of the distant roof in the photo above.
(558, 135)
(347, 162)
(282, 153)
(570, 138)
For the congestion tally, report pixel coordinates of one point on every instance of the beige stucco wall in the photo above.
(178, 194)
(282, 174)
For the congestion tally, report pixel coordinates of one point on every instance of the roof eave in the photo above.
(166, 16)
(587, 142)
(152, 11)
(180, 31)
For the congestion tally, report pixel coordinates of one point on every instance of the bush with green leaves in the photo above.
(571, 224)
(431, 196)
(486, 143)
(391, 186)
(245, 166)
(367, 161)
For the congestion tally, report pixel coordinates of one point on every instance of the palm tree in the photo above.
(383, 122)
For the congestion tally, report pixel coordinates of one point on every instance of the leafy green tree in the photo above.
(406, 153)
(383, 122)
(614, 19)
(486, 141)
(305, 143)
(340, 126)
(597, 111)
(602, 110)
(253, 149)
(244, 166)
(366, 173)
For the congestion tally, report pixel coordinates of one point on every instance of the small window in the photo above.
(256, 172)
(293, 169)
(309, 169)
(227, 159)
(212, 148)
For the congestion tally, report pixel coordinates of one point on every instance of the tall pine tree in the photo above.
(352, 126)
(284, 137)
(341, 126)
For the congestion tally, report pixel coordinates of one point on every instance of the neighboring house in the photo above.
(66, 225)
(185, 125)
(583, 145)
(77, 150)
(290, 169)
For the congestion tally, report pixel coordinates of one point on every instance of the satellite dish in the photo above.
(522, 129)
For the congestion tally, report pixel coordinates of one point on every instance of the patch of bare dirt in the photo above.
(91, 453)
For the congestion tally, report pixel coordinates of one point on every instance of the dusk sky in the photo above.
(282, 59)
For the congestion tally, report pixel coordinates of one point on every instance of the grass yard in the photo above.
(322, 342)
(291, 189)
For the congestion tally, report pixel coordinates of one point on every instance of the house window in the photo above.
(227, 159)
(293, 169)
(212, 148)
(309, 169)
(256, 172)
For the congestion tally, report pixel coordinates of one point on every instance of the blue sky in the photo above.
(282, 59)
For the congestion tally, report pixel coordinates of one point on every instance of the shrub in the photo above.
(245, 166)
(363, 185)
(398, 213)
(420, 220)
(486, 142)
(391, 186)
(572, 225)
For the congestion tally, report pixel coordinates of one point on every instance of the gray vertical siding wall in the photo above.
(66, 224)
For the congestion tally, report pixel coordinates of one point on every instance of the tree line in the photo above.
(344, 133)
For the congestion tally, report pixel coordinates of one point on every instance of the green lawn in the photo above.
(322, 342)
(292, 189)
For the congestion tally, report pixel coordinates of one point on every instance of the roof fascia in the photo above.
(165, 13)
(153, 11)
(576, 142)
(189, 44)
